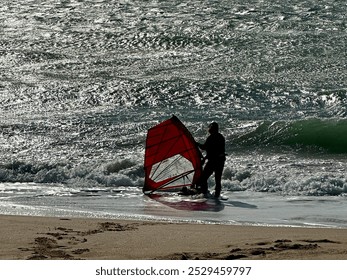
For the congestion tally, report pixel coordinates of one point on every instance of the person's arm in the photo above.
(201, 146)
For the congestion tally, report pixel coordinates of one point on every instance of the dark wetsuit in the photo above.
(215, 154)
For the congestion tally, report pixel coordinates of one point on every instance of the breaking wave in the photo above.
(113, 174)
(116, 175)
(326, 135)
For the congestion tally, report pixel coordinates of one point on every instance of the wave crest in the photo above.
(120, 173)
(311, 134)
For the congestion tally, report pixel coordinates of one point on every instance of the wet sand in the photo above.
(41, 238)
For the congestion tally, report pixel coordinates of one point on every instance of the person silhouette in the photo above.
(215, 155)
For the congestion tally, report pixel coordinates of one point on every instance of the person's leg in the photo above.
(206, 173)
(218, 178)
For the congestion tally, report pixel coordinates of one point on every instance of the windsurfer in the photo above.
(215, 155)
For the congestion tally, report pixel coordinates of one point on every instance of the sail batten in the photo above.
(172, 159)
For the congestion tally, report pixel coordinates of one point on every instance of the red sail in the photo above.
(172, 159)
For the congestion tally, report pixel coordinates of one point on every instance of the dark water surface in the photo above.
(82, 81)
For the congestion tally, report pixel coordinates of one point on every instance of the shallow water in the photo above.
(240, 208)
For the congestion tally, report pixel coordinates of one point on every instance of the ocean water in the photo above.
(82, 81)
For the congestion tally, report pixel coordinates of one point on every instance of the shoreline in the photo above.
(40, 238)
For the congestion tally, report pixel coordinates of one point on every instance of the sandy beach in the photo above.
(28, 238)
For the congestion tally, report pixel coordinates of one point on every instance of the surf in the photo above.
(322, 135)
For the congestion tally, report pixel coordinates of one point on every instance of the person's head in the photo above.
(213, 128)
